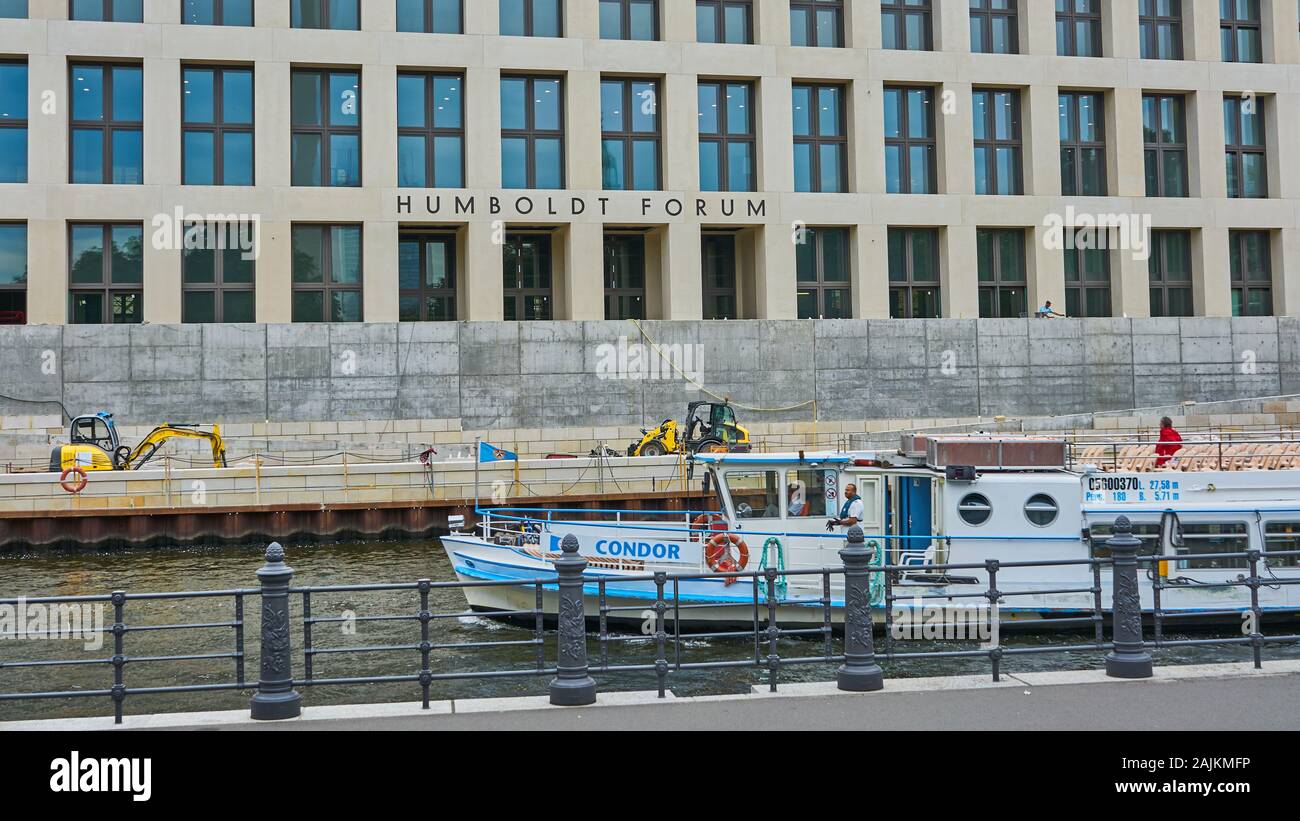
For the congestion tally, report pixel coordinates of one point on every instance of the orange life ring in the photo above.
(79, 485)
(720, 557)
(707, 521)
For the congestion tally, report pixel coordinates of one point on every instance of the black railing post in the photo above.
(573, 686)
(1130, 658)
(275, 699)
(860, 673)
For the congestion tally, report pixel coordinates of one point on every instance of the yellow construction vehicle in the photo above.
(709, 428)
(94, 445)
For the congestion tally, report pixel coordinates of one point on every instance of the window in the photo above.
(1041, 510)
(997, 142)
(326, 118)
(1282, 537)
(975, 509)
(217, 274)
(1170, 269)
(430, 130)
(217, 126)
(823, 273)
(1078, 28)
(1240, 31)
(910, 145)
(426, 273)
(1160, 25)
(343, 15)
(726, 136)
(431, 16)
(111, 11)
(624, 276)
(527, 277)
(1247, 161)
(13, 122)
(532, 132)
(16, 9)
(105, 287)
(107, 124)
(1164, 130)
(994, 27)
(817, 23)
(217, 12)
(1251, 259)
(719, 264)
(914, 273)
(1083, 145)
(629, 19)
(1003, 283)
(1206, 539)
(820, 142)
(906, 25)
(327, 273)
(629, 126)
(1147, 533)
(531, 18)
(724, 21)
(1087, 274)
(13, 273)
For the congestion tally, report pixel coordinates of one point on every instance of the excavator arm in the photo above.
(150, 445)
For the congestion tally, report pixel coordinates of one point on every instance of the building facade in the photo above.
(278, 161)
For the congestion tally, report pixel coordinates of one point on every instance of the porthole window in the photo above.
(1041, 510)
(975, 510)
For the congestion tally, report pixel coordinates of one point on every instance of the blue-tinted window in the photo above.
(629, 116)
(532, 132)
(325, 109)
(13, 8)
(726, 137)
(817, 23)
(107, 124)
(116, 11)
(629, 19)
(13, 122)
(217, 12)
(327, 273)
(821, 143)
(430, 16)
(325, 14)
(724, 21)
(217, 126)
(430, 131)
(530, 18)
(13, 273)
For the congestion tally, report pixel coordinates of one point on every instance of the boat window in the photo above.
(975, 509)
(755, 495)
(1041, 510)
(1199, 539)
(1282, 537)
(806, 494)
(1146, 532)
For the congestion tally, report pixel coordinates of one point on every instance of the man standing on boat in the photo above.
(853, 511)
(1170, 442)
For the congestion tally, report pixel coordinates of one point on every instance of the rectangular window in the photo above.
(817, 23)
(531, 18)
(998, 151)
(426, 273)
(1003, 284)
(914, 273)
(820, 139)
(109, 11)
(1247, 157)
(15, 9)
(1282, 537)
(1205, 539)
(624, 276)
(342, 15)
(327, 273)
(532, 132)
(727, 147)
(326, 122)
(907, 25)
(1078, 28)
(629, 19)
(1170, 267)
(105, 273)
(629, 126)
(724, 21)
(217, 12)
(719, 264)
(1087, 274)
(1164, 130)
(823, 271)
(1083, 144)
(1241, 31)
(1160, 25)
(994, 27)
(218, 271)
(431, 16)
(216, 125)
(13, 273)
(430, 130)
(527, 277)
(1251, 258)
(107, 124)
(910, 144)
(13, 122)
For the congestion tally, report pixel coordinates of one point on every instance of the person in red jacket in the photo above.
(1170, 441)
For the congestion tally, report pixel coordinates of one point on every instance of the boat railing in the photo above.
(1226, 452)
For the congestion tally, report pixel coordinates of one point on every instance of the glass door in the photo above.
(527, 277)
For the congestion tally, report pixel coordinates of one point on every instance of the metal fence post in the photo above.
(275, 699)
(573, 686)
(1130, 658)
(860, 673)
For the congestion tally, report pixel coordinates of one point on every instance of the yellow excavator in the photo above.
(710, 427)
(94, 445)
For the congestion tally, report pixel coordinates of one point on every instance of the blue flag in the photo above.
(487, 453)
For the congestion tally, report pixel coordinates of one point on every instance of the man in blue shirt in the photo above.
(1048, 312)
(852, 512)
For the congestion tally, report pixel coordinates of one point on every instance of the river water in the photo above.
(153, 570)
